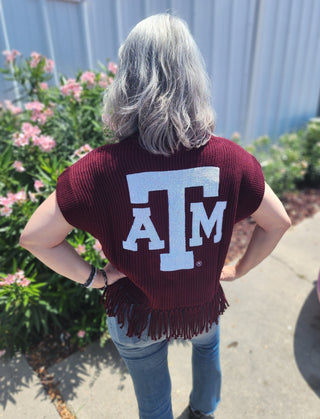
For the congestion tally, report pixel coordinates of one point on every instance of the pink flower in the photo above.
(6, 211)
(20, 274)
(32, 197)
(105, 80)
(102, 255)
(24, 282)
(49, 65)
(21, 279)
(48, 112)
(5, 201)
(11, 55)
(71, 88)
(12, 108)
(37, 185)
(18, 166)
(41, 118)
(43, 86)
(30, 130)
(80, 249)
(11, 198)
(20, 140)
(88, 77)
(20, 196)
(81, 334)
(10, 279)
(2, 352)
(34, 106)
(46, 143)
(38, 114)
(97, 246)
(35, 59)
(235, 136)
(82, 151)
(17, 278)
(112, 67)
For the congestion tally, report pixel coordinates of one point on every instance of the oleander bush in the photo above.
(293, 162)
(42, 133)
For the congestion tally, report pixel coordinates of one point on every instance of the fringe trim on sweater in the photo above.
(176, 323)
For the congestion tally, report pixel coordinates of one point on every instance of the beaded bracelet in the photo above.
(91, 278)
(105, 278)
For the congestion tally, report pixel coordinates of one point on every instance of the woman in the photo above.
(162, 202)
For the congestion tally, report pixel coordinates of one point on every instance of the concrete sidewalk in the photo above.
(270, 351)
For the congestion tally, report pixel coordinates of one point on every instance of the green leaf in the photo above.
(36, 316)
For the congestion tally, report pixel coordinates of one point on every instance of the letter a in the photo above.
(142, 218)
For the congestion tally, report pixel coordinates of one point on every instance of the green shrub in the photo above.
(292, 162)
(42, 133)
(311, 152)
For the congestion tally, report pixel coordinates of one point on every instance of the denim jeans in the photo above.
(147, 362)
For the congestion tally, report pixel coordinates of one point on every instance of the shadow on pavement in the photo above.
(15, 375)
(184, 414)
(307, 341)
(87, 366)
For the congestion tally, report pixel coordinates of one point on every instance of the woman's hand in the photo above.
(113, 274)
(44, 236)
(229, 273)
(272, 222)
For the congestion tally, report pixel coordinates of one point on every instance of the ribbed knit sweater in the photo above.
(166, 223)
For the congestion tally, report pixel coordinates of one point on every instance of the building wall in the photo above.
(263, 56)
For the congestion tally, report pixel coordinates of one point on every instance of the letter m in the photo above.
(199, 217)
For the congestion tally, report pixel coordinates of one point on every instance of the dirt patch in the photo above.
(299, 205)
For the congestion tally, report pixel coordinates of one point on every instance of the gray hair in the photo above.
(161, 89)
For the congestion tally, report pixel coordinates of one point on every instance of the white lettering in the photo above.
(199, 216)
(175, 182)
(142, 218)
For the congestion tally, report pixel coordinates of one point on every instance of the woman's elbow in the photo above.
(26, 240)
(283, 224)
(288, 223)
(23, 242)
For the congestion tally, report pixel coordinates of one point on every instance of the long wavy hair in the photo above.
(161, 89)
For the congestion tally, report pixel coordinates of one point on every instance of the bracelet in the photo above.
(91, 278)
(105, 279)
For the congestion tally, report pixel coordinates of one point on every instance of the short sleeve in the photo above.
(74, 195)
(251, 188)
(66, 196)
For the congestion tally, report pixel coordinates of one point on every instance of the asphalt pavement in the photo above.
(270, 352)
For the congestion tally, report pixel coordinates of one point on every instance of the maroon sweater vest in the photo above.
(166, 223)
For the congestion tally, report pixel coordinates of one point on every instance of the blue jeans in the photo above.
(147, 362)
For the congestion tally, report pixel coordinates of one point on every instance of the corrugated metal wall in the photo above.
(263, 56)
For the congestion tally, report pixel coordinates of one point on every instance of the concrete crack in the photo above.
(299, 275)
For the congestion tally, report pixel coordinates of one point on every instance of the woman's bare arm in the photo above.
(44, 236)
(272, 222)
